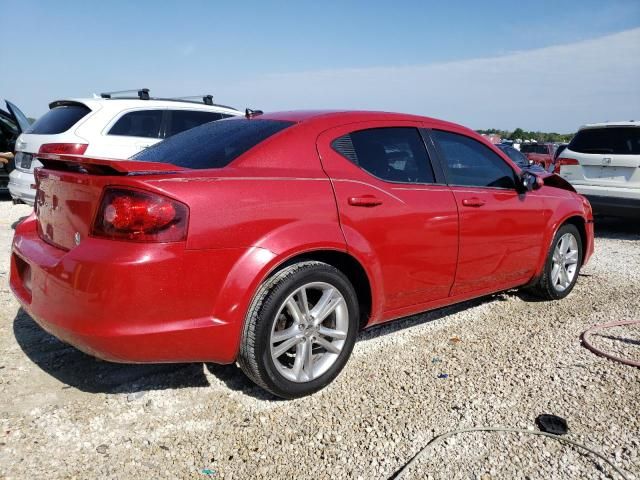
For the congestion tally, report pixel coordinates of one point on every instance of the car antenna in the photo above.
(249, 113)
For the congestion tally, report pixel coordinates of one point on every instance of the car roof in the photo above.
(125, 103)
(628, 123)
(353, 116)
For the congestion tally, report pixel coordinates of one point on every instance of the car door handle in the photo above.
(473, 202)
(365, 201)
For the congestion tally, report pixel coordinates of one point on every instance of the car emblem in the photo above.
(606, 161)
(77, 238)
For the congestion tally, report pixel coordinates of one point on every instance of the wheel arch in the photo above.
(572, 219)
(348, 265)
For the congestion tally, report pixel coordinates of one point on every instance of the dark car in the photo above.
(12, 124)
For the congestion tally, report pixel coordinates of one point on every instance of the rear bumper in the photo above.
(20, 186)
(127, 302)
(615, 207)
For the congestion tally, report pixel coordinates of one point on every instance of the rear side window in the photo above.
(59, 119)
(143, 123)
(470, 163)
(181, 120)
(615, 140)
(395, 154)
(212, 145)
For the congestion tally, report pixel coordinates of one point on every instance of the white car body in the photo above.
(94, 129)
(602, 162)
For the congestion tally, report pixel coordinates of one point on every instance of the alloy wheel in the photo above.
(564, 262)
(309, 331)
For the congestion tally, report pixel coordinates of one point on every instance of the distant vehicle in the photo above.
(12, 123)
(271, 240)
(539, 153)
(110, 126)
(602, 162)
(519, 158)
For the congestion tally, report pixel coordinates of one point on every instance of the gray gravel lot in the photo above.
(66, 415)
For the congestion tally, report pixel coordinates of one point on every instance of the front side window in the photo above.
(143, 123)
(470, 163)
(181, 120)
(615, 140)
(395, 154)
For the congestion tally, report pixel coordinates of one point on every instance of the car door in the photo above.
(393, 208)
(21, 120)
(501, 226)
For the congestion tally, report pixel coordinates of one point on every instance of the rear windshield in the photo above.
(212, 145)
(616, 140)
(533, 148)
(58, 119)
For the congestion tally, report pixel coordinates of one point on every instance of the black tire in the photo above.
(544, 287)
(255, 356)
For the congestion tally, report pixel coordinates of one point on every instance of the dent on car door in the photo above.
(392, 210)
(501, 227)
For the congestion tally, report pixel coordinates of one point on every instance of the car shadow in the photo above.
(616, 228)
(88, 374)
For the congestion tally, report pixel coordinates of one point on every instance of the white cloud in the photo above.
(554, 88)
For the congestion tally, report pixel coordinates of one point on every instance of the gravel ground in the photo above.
(506, 358)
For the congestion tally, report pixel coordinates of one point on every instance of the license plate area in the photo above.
(606, 173)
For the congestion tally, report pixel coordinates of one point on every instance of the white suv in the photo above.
(602, 162)
(106, 126)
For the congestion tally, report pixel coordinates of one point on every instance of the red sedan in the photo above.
(271, 240)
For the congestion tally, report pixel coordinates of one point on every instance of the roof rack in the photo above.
(143, 93)
(206, 99)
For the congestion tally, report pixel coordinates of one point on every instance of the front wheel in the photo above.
(562, 265)
(300, 329)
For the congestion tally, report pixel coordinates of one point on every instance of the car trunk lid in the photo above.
(69, 191)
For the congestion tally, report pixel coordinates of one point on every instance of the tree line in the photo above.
(551, 137)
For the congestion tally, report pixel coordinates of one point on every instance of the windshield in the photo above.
(533, 148)
(514, 155)
(214, 144)
(616, 140)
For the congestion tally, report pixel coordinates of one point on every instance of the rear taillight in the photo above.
(64, 148)
(139, 216)
(564, 161)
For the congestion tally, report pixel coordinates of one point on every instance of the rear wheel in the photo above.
(300, 329)
(562, 265)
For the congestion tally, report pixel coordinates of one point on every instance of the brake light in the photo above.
(564, 161)
(138, 216)
(64, 148)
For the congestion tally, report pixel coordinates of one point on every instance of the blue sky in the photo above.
(552, 65)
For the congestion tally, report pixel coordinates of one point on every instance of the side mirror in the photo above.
(531, 181)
